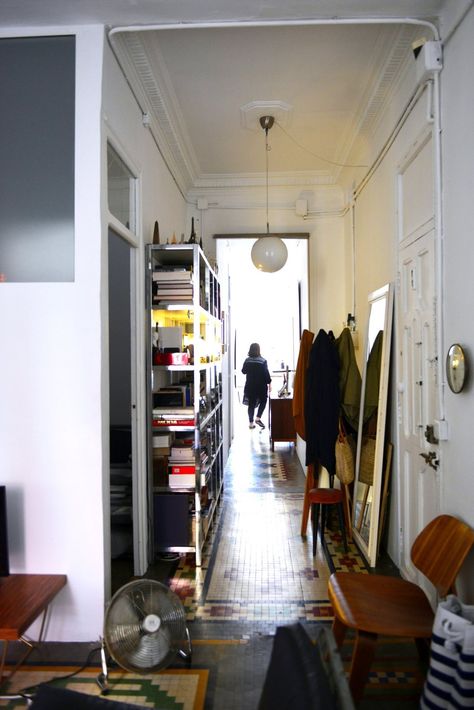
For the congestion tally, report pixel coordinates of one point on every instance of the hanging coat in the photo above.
(299, 382)
(349, 378)
(322, 402)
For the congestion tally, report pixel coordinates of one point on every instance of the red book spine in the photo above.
(173, 422)
(183, 469)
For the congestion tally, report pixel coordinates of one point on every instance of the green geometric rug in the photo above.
(179, 689)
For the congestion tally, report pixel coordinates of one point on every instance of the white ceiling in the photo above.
(205, 87)
(131, 12)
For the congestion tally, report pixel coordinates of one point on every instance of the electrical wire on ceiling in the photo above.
(315, 155)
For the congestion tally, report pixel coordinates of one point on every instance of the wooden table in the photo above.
(23, 598)
(282, 423)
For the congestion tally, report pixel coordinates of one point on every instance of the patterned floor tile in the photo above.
(256, 566)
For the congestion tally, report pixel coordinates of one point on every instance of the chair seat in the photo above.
(380, 605)
(325, 496)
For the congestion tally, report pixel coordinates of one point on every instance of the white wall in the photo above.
(159, 199)
(458, 190)
(50, 379)
(376, 245)
(54, 415)
(376, 240)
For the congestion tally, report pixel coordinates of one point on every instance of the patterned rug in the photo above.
(166, 690)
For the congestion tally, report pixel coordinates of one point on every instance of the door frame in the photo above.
(405, 241)
(140, 488)
(301, 318)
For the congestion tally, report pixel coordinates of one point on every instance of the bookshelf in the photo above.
(184, 396)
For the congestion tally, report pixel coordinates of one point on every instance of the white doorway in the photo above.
(269, 309)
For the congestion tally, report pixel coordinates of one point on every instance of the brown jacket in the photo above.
(299, 382)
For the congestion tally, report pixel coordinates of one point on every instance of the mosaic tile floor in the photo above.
(257, 567)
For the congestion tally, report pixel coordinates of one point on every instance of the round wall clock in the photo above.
(456, 368)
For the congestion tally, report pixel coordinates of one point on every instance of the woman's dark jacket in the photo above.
(258, 377)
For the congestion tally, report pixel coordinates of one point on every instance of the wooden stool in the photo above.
(320, 498)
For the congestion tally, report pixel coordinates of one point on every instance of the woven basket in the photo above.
(367, 461)
(344, 458)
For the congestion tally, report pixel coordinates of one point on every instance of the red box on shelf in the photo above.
(171, 359)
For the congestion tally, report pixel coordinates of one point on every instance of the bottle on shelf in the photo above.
(156, 233)
(192, 238)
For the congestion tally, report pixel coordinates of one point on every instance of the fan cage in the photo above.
(128, 642)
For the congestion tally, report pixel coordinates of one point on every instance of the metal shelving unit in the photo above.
(183, 515)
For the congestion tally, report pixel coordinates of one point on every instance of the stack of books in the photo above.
(161, 444)
(182, 466)
(172, 284)
(173, 416)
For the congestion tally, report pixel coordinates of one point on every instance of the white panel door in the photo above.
(417, 387)
(417, 350)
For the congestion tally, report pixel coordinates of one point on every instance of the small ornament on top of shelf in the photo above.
(192, 238)
(182, 237)
(156, 233)
(173, 238)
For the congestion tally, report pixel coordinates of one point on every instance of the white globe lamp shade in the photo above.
(269, 254)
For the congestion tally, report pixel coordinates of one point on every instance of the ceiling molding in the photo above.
(250, 180)
(319, 198)
(381, 91)
(394, 67)
(165, 123)
(147, 74)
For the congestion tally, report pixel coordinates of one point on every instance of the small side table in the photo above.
(23, 598)
(282, 423)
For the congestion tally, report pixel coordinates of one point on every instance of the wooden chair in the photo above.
(376, 605)
(320, 499)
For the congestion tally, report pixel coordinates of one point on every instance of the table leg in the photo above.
(306, 505)
(30, 646)
(4, 657)
(347, 510)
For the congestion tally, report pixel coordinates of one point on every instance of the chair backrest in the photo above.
(440, 550)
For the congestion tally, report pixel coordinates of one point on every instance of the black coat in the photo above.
(257, 380)
(322, 401)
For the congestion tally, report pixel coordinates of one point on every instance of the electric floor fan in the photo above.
(144, 629)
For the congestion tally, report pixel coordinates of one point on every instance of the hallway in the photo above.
(260, 570)
(259, 574)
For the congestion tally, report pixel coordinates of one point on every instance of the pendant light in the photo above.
(269, 253)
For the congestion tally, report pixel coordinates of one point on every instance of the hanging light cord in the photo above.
(266, 172)
(315, 155)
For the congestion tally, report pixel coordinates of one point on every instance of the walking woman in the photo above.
(256, 385)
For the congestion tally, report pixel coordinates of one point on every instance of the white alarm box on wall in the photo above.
(429, 60)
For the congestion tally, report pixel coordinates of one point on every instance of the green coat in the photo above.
(349, 378)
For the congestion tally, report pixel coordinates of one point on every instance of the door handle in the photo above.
(431, 459)
(430, 436)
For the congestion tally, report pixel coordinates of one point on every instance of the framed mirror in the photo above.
(372, 421)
